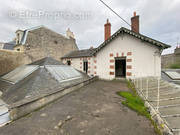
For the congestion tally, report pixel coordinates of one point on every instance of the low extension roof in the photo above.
(89, 52)
(80, 53)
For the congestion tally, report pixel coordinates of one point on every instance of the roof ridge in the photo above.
(136, 35)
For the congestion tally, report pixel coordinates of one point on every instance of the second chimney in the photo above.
(107, 30)
(135, 23)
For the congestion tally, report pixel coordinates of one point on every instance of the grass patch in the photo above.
(174, 66)
(134, 102)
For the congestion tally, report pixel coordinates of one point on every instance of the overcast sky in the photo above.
(159, 19)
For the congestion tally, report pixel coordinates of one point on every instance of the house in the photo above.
(170, 59)
(33, 44)
(126, 54)
(39, 42)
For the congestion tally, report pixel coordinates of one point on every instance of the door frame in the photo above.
(124, 68)
(85, 66)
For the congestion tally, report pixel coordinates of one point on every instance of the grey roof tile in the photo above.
(10, 45)
(80, 53)
(134, 34)
(91, 52)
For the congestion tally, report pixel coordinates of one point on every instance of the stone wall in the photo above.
(44, 42)
(11, 59)
(169, 59)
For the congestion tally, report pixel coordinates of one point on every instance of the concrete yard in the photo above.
(93, 110)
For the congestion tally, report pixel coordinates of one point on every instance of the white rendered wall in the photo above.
(141, 59)
(77, 63)
(145, 62)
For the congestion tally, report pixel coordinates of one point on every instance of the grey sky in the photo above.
(159, 19)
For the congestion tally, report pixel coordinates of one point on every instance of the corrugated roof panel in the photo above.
(63, 72)
(20, 73)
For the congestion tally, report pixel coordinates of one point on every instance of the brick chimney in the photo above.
(135, 23)
(107, 30)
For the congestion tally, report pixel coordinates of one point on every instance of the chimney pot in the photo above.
(135, 13)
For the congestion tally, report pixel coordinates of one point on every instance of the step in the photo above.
(173, 122)
(169, 111)
(169, 89)
(167, 102)
(164, 94)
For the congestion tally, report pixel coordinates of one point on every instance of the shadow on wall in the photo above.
(11, 59)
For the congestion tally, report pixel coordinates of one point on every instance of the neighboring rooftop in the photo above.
(80, 53)
(37, 78)
(26, 31)
(47, 61)
(9, 45)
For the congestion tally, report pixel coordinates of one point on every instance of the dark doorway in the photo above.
(85, 66)
(120, 67)
(69, 62)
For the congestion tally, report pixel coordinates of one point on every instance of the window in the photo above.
(18, 49)
(69, 62)
(55, 42)
(85, 66)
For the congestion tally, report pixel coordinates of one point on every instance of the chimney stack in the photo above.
(69, 34)
(135, 23)
(107, 30)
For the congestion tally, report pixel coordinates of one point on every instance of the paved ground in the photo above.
(93, 110)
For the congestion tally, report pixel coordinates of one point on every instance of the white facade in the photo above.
(142, 59)
(77, 63)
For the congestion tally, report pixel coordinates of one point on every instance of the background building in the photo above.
(33, 44)
(169, 59)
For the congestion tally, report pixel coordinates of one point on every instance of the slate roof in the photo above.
(46, 61)
(40, 81)
(144, 38)
(23, 40)
(25, 33)
(122, 30)
(10, 45)
(80, 53)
